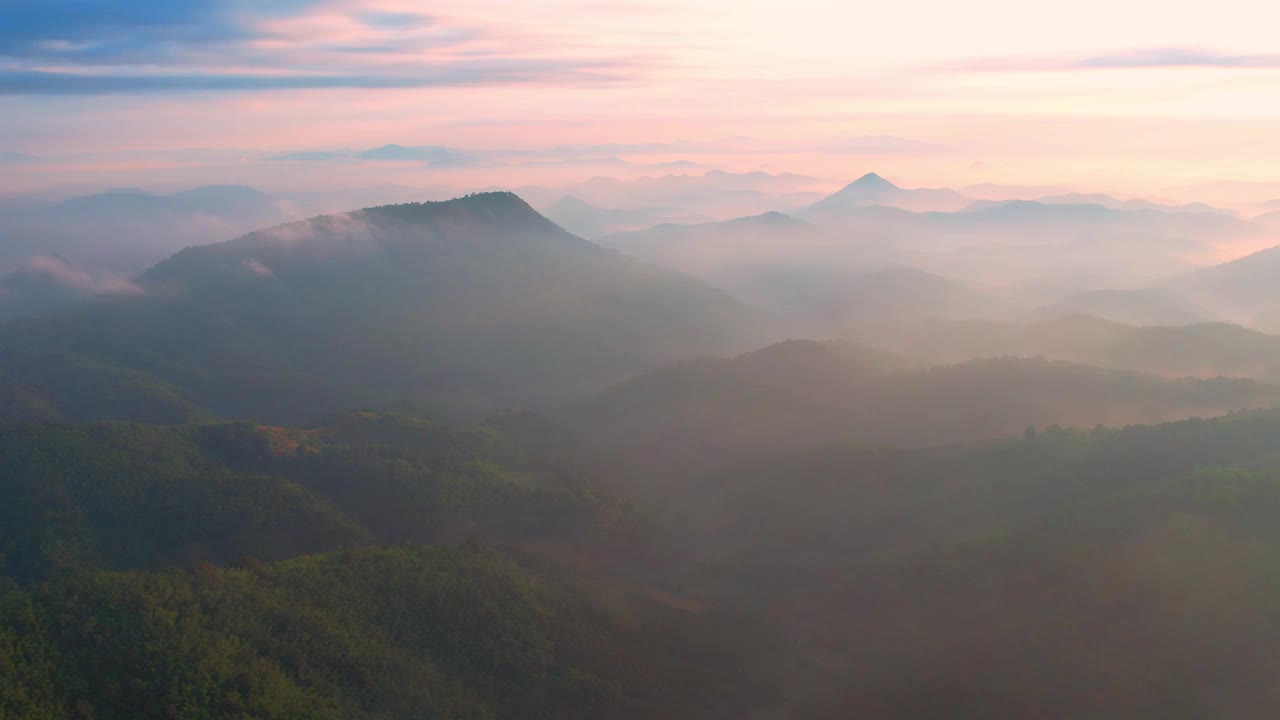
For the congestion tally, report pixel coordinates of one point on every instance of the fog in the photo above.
(695, 444)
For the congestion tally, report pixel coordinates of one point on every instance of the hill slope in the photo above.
(1241, 289)
(469, 305)
(116, 600)
(1102, 574)
(802, 395)
(1149, 306)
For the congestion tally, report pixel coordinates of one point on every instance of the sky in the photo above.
(1130, 96)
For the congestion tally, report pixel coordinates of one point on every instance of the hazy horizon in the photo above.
(1141, 99)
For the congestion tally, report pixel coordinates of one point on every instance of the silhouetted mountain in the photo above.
(471, 305)
(1031, 243)
(773, 261)
(1204, 350)
(126, 230)
(802, 394)
(1240, 289)
(431, 155)
(686, 198)
(1113, 203)
(588, 221)
(1149, 306)
(871, 189)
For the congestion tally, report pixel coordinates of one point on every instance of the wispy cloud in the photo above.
(1150, 58)
(85, 47)
(1179, 57)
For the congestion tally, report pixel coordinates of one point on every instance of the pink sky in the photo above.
(1133, 97)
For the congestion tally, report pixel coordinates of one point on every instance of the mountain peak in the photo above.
(503, 208)
(872, 181)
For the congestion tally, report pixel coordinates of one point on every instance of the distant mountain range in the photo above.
(714, 195)
(1241, 289)
(803, 395)
(1203, 350)
(1148, 306)
(1111, 203)
(1047, 243)
(128, 229)
(589, 221)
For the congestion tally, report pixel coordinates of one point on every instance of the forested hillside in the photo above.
(247, 571)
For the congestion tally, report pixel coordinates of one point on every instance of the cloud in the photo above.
(453, 75)
(88, 47)
(1179, 57)
(1141, 58)
(16, 158)
(63, 274)
(257, 268)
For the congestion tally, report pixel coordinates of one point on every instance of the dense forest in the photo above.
(382, 565)
(237, 570)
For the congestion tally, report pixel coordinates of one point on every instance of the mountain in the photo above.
(1024, 243)
(1239, 289)
(589, 221)
(690, 198)
(470, 305)
(1205, 350)
(802, 395)
(773, 261)
(1113, 203)
(127, 230)
(871, 189)
(776, 183)
(1148, 306)
(431, 155)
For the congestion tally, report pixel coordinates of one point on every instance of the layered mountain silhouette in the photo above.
(128, 230)
(1147, 306)
(590, 221)
(1204, 350)
(1052, 244)
(802, 395)
(1241, 289)
(770, 261)
(469, 305)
